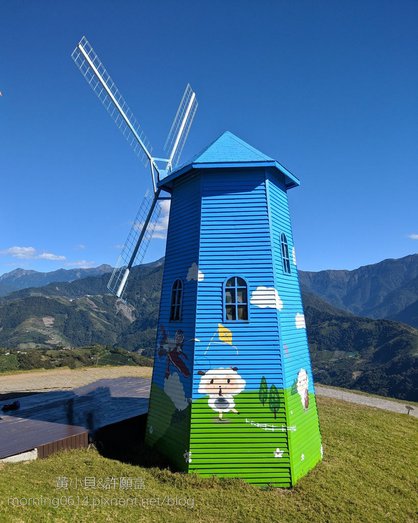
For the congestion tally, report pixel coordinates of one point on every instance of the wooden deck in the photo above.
(50, 421)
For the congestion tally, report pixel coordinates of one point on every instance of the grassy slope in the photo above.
(367, 475)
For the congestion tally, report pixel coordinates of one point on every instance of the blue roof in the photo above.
(230, 151)
(230, 148)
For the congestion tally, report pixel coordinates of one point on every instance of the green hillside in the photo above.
(365, 477)
(83, 313)
(408, 315)
(76, 357)
(377, 356)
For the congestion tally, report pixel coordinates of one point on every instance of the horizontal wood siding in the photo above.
(235, 241)
(305, 441)
(168, 426)
(233, 405)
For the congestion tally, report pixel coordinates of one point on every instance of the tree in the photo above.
(274, 400)
(263, 392)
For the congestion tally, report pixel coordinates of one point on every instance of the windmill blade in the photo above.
(103, 86)
(136, 244)
(181, 126)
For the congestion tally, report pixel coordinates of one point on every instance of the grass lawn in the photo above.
(368, 474)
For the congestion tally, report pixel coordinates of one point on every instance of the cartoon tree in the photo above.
(263, 392)
(274, 400)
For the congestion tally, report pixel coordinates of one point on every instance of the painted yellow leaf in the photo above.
(224, 334)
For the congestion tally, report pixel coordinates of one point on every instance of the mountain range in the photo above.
(22, 278)
(385, 290)
(374, 355)
(388, 289)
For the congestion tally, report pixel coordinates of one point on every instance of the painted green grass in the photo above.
(219, 445)
(242, 444)
(305, 442)
(168, 428)
(237, 445)
(368, 475)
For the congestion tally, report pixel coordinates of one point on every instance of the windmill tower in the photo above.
(232, 389)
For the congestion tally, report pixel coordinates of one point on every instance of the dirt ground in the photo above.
(63, 379)
(369, 401)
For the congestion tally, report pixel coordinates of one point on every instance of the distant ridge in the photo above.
(381, 290)
(22, 279)
(385, 290)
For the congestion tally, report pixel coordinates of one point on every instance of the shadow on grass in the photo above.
(125, 442)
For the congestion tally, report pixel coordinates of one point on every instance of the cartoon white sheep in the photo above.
(221, 385)
(302, 387)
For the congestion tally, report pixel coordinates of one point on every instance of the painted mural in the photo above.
(302, 388)
(172, 350)
(248, 416)
(227, 398)
(221, 385)
(169, 415)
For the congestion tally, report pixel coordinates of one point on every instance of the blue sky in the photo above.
(327, 88)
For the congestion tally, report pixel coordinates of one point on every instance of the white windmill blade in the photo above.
(181, 126)
(102, 84)
(136, 244)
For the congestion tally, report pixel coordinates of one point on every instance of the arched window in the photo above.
(236, 299)
(176, 299)
(285, 254)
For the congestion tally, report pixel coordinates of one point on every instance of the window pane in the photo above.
(230, 312)
(242, 312)
(285, 254)
(176, 298)
(236, 299)
(230, 295)
(242, 295)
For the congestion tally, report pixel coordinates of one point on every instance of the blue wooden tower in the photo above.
(232, 389)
